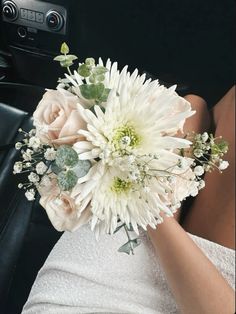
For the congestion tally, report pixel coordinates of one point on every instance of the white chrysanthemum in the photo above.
(149, 120)
(113, 195)
(134, 141)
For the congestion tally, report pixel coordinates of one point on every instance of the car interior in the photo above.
(191, 44)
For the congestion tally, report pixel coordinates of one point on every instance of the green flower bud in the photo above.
(64, 48)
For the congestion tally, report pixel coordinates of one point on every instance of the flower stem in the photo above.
(130, 243)
(69, 71)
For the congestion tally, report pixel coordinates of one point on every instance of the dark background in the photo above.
(185, 42)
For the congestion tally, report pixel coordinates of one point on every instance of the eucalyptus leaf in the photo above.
(99, 70)
(71, 57)
(66, 156)
(136, 242)
(130, 228)
(92, 91)
(104, 95)
(65, 60)
(82, 168)
(90, 61)
(119, 227)
(129, 246)
(84, 70)
(92, 79)
(54, 168)
(100, 78)
(66, 63)
(67, 180)
(60, 58)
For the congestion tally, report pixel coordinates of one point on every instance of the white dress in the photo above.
(82, 275)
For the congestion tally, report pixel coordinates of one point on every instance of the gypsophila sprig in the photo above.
(208, 151)
(104, 151)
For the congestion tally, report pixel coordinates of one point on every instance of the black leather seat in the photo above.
(26, 234)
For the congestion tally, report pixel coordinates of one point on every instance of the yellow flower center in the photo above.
(125, 136)
(121, 186)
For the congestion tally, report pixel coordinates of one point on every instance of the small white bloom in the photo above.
(198, 153)
(18, 167)
(146, 189)
(20, 185)
(41, 168)
(134, 175)
(194, 191)
(199, 170)
(131, 159)
(32, 132)
(34, 142)
(205, 137)
(50, 154)
(207, 167)
(27, 155)
(18, 145)
(201, 184)
(30, 195)
(223, 165)
(33, 177)
(182, 163)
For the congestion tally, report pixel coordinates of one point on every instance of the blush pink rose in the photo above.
(57, 119)
(62, 210)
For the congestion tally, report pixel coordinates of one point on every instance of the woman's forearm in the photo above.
(196, 284)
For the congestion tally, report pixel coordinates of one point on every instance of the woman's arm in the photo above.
(196, 284)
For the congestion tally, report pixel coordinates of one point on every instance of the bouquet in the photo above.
(104, 150)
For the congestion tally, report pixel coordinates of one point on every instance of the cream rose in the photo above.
(61, 208)
(57, 119)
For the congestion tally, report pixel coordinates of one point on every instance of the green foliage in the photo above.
(68, 167)
(66, 156)
(54, 168)
(82, 167)
(119, 227)
(84, 70)
(90, 62)
(99, 70)
(129, 246)
(67, 180)
(65, 59)
(98, 92)
(96, 75)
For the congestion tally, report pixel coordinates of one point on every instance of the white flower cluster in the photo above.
(34, 155)
(208, 151)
